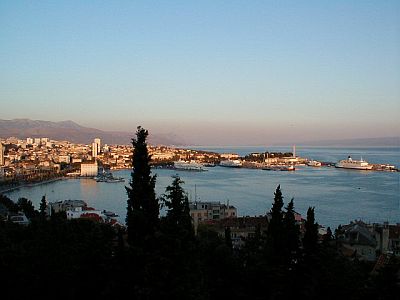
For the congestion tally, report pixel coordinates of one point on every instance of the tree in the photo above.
(228, 238)
(143, 208)
(292, 231)
(178, 215)
(310, 239)
(275, 228)
(328, 236)
(42, 208)
(27, 207)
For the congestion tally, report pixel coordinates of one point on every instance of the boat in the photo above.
(188, 166)
(280, 168)
(209, 165)
(287, 168)
(108, 177)
(112, 180)
(314, 163)
(349, 163)
(231, 163)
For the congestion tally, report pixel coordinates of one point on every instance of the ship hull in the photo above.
(354, 167)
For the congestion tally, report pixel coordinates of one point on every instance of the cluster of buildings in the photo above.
(368, 241)
(35, 158)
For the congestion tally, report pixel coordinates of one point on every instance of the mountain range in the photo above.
(73, 132)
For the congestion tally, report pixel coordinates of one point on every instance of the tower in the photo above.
(97, 141)
(1, 154)
(94, 150)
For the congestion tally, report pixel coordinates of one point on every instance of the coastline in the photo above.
(10, 189)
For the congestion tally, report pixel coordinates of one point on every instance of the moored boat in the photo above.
(188, 166)
(231, 163)
(314, 163)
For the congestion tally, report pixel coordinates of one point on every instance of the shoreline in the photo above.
(7, 190)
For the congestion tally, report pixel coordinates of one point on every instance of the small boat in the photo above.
(231, 163)
(209, 165)
(280, 168)
(112, 180)
(314, 163)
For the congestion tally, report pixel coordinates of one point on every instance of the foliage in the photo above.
(27, 207)
(178, 220)
(143, 208)
(42, 208)
(310, 239)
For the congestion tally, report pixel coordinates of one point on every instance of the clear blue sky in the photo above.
(213, 72)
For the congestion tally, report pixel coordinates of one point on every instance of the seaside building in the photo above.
(1, 154)
(89, 169)
(29, 141)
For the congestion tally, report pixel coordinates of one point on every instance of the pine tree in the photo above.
(310, 239)
(178, 215)
(143, 208)
(42, 208)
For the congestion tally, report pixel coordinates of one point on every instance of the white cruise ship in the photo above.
(188, 166)
(231, 163)
(349, 163)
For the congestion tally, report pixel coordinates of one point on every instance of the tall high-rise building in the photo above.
(97, 141)
(94, 150)
(1, 154)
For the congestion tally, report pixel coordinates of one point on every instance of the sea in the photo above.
(338, 195)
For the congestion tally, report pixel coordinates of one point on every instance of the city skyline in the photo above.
(210, 73)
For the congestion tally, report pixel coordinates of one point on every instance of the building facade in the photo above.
(89, 169)
(205, 211)
(1, 154)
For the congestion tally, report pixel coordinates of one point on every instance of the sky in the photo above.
(210, 72)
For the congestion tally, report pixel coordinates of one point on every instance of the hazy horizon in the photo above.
(211, 73)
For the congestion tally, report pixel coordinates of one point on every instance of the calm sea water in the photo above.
(338, 195)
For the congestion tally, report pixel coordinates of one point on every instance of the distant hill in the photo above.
(71, 131)
(393, 141)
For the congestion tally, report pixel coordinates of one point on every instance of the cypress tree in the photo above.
(292, 231)
(310, 239)
(143, 208)
(275, 227)
(42, 208)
